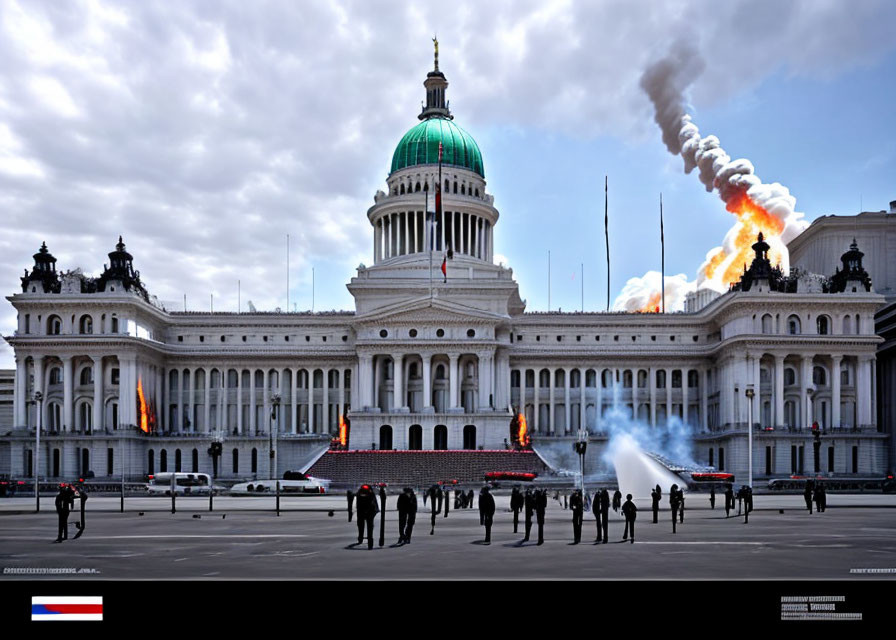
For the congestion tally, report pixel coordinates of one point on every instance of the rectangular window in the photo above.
(855, 459)
(793, 467)
(110, 460)
(768, 461)
(721, 459)
(831, 458)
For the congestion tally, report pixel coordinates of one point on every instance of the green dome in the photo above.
(420, 145)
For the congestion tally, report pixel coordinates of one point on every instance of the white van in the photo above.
(184, 484)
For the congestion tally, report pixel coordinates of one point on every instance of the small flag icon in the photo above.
(66, 608)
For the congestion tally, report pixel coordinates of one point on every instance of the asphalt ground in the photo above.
(243, 539)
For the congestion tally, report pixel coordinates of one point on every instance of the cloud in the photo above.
(204, 132)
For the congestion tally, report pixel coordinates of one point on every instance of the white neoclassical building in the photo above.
(437, 359)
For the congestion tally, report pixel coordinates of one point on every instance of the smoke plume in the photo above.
(757, 206)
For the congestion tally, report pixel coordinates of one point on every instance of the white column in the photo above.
(239, 400)
(599, 402)
(39, 386)
(158, 401)
(179, 416)
(325, 408)
(207, 402)
(652, 381)
(805, 381)
(685, 375)
(550, 426)
(757, 387)
(266, 399)
(668, 394)
(68, 409)
(535, 404)
(566, 373)
(309, 399)
(835, 391)
(377, 377)
(397, 381)
(253, 403)
(863, 391)
(21, 404)
(98, 422)
(427, 380)
(453, 383)
(340, 376)
(484, 378)
(582, 387)
(779, 391)
(704, 400)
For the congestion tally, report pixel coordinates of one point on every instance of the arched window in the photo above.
(86, 324)
(767, 323)
(661, 379)
(676, 378)
(254, 460)
(402, 189)
(415, 438)
(163, 461)
(177, 461)
(54, 325)
(822, 323)
(385, 437)
(793, 325)
(440, 437)
(789, 377)
(847, 325)
(114, 328)
(195, 461)
(819, 376)
(56, 375)
(470, 437)
(150, 462)
(417, 187)
(87, 375)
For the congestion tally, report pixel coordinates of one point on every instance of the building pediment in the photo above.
(428, 310)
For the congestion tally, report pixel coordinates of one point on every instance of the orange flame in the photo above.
(753, 219)
(343, 432)
(144, 411)
(653, 304)
(523, 433)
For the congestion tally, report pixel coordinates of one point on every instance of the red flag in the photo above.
(445, 268)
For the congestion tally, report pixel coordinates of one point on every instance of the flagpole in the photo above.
(662, 257)
(429, 226)
(287, 273)
(607, 235)
(549, 279)
(583, 287)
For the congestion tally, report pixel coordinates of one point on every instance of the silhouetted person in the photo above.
(447, 500)
(367, 509)
(605, 512)
(82, 497)
(407, 514)
(630, 511)
(63, 508)
(435, 499)
(516, 505)
(595, 509)
(821, 497)
(350, 497)
(541, 503)
(674, 504)
(655, 504)
(712, 497)
(486, 512)
(729, 500)
(470, 498)
(529, 503)
(577, 506)
(807, 495)
(617, 500)
(748, 499)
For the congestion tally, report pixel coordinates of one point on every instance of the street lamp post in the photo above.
(38, 401)
(580, 446)
(750, 392)
(272, 442)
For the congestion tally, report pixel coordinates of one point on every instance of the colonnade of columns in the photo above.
(402, 233)
(311, 399)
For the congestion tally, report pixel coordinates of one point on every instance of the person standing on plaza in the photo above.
(350, 497)
(470, 498)
(447, 500)
(411, 508)
(595, 509)
(630, 511)
(486, 512)
(807, 495)
(434, 506)
(529, 502)
(82, 497)
(605, 512)
(63, 507)
(681, 505)
(655, 500)
(577, 506)
(541, 504)
(821, 497)
(516, 505)
(729, 500)
(674, 504)
(367, 510)
(712, 497)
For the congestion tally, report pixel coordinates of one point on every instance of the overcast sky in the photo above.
(205, 132)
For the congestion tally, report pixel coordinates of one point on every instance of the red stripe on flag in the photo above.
(74, 608)
(445, 267)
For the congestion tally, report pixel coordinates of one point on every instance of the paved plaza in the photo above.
(245, 539)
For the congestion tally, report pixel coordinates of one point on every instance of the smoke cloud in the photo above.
(769, 208)
(644, 294)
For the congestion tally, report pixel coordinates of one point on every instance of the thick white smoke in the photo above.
(644, 294)
(665, 82)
